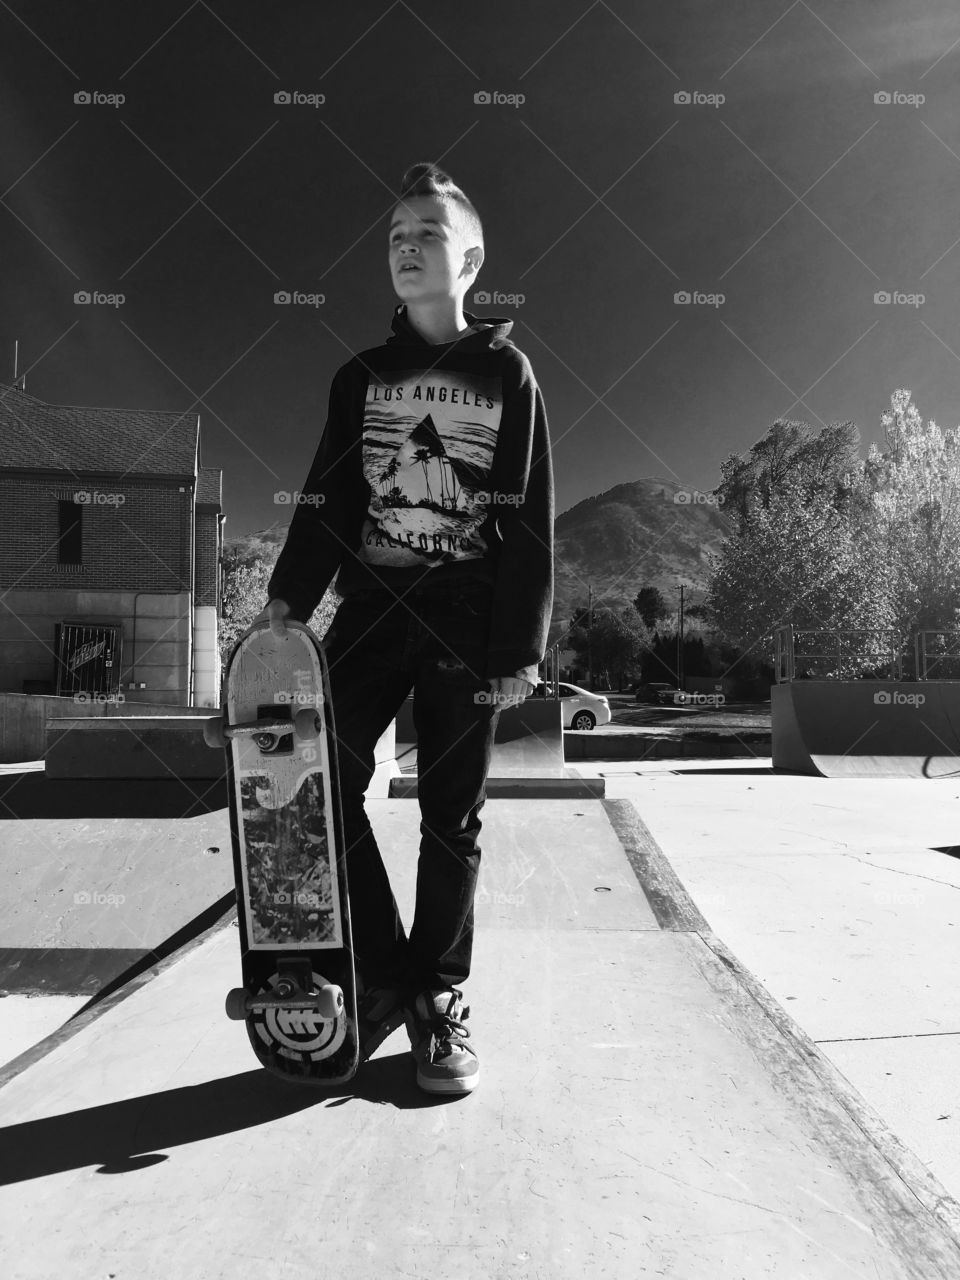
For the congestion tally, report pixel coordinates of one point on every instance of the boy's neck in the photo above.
(438, 322)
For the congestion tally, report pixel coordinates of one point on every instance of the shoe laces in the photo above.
(448, 1033)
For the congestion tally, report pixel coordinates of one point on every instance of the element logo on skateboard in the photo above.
(299, 1033)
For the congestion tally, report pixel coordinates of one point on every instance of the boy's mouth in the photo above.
(408, 266)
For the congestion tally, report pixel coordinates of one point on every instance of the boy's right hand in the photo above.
(276, 613)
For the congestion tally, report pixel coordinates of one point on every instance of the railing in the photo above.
(937, 655)
(871, 653)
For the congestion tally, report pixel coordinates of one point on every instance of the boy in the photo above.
(432, 495)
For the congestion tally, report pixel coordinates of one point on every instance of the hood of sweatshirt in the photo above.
(484, 332)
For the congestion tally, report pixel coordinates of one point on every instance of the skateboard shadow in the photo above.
(124, 1136)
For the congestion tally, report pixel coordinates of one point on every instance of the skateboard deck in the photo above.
(298, 993)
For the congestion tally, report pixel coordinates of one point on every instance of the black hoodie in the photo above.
(434, 464)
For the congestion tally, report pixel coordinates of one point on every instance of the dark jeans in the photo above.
(433, 641)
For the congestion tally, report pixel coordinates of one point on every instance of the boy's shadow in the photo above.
(121, 1137)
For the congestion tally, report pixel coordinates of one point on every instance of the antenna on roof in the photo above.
(16, 353)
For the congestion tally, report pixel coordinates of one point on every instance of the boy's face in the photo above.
(422, 234)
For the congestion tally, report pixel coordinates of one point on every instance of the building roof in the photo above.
(35, 436)
(209, 485)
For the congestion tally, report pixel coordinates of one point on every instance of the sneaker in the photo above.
(379, 1012)
(446, 1061)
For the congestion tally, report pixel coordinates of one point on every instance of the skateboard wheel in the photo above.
(213, 734)
(236, 1004)
(305, 724)
(330, 1002)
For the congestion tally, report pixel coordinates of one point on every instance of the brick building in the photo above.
(111, 535)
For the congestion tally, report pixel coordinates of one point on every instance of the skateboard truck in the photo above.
(294, 989)
(266, 732)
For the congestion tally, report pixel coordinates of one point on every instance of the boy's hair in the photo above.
(426, 179)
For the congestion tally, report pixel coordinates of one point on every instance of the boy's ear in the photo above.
(474, 258)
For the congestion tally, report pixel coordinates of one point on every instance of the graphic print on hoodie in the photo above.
(428, 445)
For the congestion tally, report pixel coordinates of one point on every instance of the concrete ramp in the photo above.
(867, 728)
(644, 1108)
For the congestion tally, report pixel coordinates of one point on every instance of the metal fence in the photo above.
(866, 653)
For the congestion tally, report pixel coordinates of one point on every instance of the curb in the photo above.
(675, 910)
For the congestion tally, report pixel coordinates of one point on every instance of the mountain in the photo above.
(634, 535)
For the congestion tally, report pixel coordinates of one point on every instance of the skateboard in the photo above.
(298, 993)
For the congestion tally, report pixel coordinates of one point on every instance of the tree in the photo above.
(791, 453)
(651, 606)
(244, 595)
(614, 643)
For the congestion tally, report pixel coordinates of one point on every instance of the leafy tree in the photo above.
(245, 578)
(651, 606)
(615, 643)
(790, 454)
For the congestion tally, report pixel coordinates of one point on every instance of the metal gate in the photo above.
(88, 658)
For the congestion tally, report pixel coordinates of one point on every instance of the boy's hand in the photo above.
(276, 613)
(509, 690)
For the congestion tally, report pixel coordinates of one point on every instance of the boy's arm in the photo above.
(331, 503)
(523, 596)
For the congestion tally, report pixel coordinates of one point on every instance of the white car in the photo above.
(579, 708)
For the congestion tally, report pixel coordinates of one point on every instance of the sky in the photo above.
(781, 197)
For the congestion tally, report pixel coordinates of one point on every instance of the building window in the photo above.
(70, 545)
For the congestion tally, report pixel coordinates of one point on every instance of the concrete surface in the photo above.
(839, 729)
(645, 1108)
(838, 895)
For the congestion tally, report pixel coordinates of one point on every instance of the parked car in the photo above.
(579, 708)
(654, 693)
